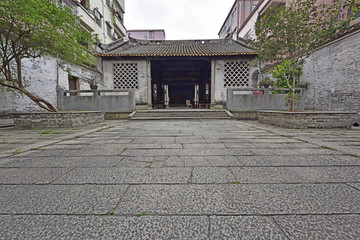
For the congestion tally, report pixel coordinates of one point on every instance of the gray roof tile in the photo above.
(179, 48)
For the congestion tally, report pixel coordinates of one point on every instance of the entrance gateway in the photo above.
(180, 83)
(177, 74)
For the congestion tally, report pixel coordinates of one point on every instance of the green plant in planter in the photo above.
(266, 82)
(281, 71)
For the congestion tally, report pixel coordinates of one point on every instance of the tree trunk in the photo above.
(292, 106)
(19, 86)
(39, 101)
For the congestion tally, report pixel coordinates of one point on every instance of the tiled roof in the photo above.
(179, 48)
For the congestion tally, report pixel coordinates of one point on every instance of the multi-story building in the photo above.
(147, 34)
(246, 29)
(45, 75)
(105, 18)
(238, 14)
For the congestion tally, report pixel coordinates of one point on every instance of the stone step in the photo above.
(180, 114)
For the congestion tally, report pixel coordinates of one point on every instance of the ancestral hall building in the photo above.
(172, 73)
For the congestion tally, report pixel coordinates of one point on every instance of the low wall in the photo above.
(245, 115)
(97, 100)
(307, 119)
(240, 100)
(116, 115)
(56, 120)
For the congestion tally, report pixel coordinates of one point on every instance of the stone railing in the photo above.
(251, 99)
(97, 100)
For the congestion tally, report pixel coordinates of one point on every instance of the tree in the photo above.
(288, 34)
(34, 28)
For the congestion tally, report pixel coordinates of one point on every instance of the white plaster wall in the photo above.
(220, 90)
(41, 77)
(141, 92)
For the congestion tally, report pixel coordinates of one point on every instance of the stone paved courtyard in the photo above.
(215, 179)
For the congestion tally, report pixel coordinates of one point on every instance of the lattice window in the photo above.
(236, 74)
(125, 76)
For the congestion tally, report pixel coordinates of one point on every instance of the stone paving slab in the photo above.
(31, 175)
(320, 227)
(299, 160)
(150, 140)
(259, 140)
(212, 175)
(203, 161)
(269, 199)
(53, 199)
(295, 151)
(128, 163)
(204, 146)
(296, 174)
(196, 152)
(243, 227)
(294, 145)
(125, 175)
(105, 227)
(203, 179)
(44, 162)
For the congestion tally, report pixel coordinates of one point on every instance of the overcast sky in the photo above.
(181, 19)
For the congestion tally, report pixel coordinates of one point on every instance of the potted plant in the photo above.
(92, 81)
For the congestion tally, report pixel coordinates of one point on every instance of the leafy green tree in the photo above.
(288, 34)
(285, 70)
(33, 28)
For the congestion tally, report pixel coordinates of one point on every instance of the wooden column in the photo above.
(212, 85)
(149, 92)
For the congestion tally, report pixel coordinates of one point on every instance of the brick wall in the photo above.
(56, 120)
(307, 119)
(333, 74)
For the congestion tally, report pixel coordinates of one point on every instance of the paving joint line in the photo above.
(8, 153)
(283, 230)
(179, 215)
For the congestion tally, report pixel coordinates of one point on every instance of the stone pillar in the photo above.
(149, 92)
(212, 85)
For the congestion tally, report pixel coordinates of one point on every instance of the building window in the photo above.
(125, 76)
(253, 7)
(85, 4)
(151, 34)
(108, 28)
(236, 74)
(97, 16)
(73, 84)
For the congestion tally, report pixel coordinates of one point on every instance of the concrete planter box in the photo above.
(56, 120)
(309, 119)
